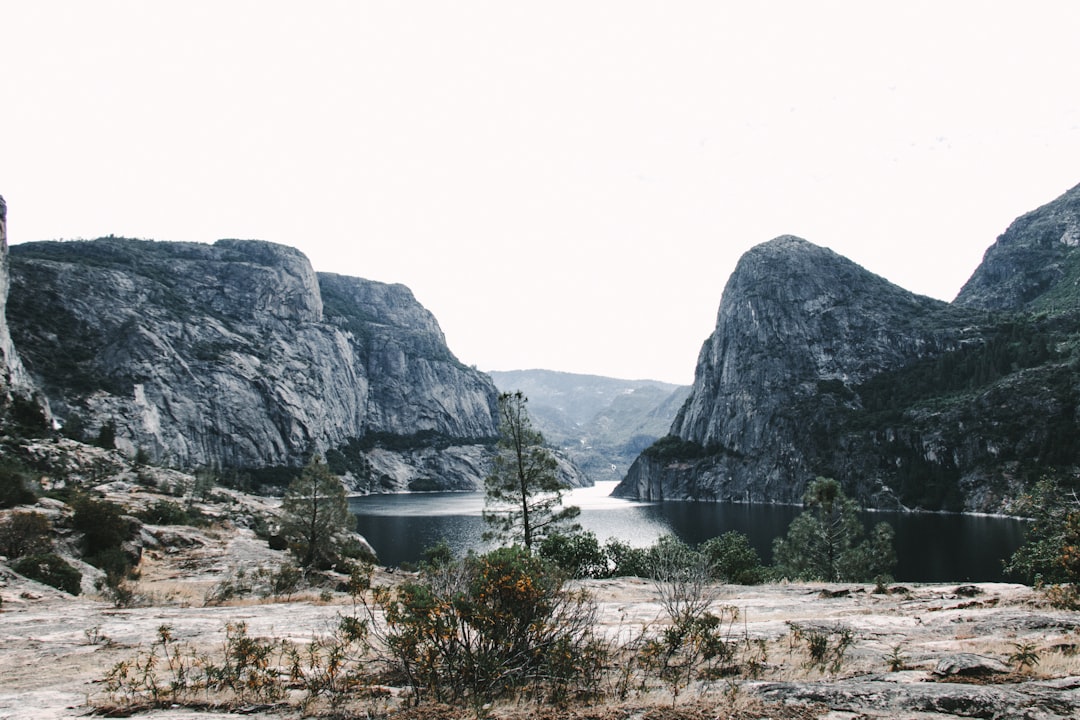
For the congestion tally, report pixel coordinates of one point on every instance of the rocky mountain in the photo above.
(13, 376)
(22, 409)
(601, 423)
(238, 356)
(819, 367)
(1035, 263)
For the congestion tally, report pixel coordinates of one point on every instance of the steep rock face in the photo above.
(226, 355)
(794, 318)
(818, 367)
(421, 385)
(13, 376)
(794, 314)
(1034, 264)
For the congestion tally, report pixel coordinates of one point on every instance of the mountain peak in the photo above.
(1035, 263)
(819, 367)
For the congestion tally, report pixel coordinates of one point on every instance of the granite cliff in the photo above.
(819, 367)
(1034, 265)
(18, 400)
(238, 356)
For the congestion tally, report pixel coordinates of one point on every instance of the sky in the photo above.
(564, 185)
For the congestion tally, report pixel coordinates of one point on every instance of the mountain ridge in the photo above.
(226, 356)
(819, 367)
(600, 422)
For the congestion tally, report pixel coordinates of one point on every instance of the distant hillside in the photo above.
(600, 423)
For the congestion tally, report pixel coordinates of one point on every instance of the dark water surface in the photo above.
(930, 547)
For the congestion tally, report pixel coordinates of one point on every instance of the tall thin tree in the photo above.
(523, 501)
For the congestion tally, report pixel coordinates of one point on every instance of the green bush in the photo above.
(50, 569)
(490, 626)
(733, 559)
(1051, 550)
(105, 529)
(696, 646)
(578, 554)
(16, 485)
(25, 533)
(166, 512)
(625, 560)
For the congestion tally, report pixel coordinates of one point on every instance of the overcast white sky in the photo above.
(565, 185)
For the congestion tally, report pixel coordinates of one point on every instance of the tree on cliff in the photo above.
(523, 501)
(824, 542)
(315, 518)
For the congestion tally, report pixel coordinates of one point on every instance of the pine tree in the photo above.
(523, 500)
(823, 542)
(315, 516)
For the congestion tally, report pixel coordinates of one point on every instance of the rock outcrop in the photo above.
(239, 356)
(1035, 263)
(892, 695)
(13, 376)
(819, 367)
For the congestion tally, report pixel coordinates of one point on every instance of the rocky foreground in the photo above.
(918, 651)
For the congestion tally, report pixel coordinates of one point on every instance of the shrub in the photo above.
(105, 529)
(826, 647)
(166, 512)
(52, 570)
(25, 533)
(733, 559)
(1025, 657)
(265, 582)
(16, 486)
(896, 660)
(488, 627)
(693, 646)
(578, 554)
(683, 579)
(243, 674)
(1051, 549)
(625, 560)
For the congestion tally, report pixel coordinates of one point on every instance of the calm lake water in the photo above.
(931, 548)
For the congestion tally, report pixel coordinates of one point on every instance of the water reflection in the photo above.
(931, 548)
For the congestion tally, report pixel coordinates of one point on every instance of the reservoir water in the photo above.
(930, 547)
